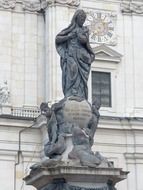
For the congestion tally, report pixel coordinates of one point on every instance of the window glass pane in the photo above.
(101, 87)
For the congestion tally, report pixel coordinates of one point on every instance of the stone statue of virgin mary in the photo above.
(73, 46)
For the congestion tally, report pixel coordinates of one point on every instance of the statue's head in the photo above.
(45, 109)
(79, 17)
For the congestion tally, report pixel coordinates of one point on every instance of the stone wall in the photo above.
(20, 146)
(22, 53)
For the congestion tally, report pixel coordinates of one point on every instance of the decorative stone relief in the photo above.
(132, 8)
(4, 93)
(31, 5)
(65, 2)
(34, 6)
(44, 4)
(7, 4)
(125, 8)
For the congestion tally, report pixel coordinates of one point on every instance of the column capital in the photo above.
(7, 4)
(130, 7)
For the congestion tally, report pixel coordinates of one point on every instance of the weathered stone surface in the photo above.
(83, 175)
(131, 7)
(76, 55)
(72, 123)
(65, 2)
(73, 114)
(78, 112)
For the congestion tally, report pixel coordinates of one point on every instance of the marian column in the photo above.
(70, 163)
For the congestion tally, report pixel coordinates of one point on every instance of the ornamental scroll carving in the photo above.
(37, 5)
(7, 4)
(34, 6)
(65, 2)
(132, 8)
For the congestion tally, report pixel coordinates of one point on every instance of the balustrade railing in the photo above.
(31, 112)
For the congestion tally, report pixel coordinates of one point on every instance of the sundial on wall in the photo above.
(101, 27)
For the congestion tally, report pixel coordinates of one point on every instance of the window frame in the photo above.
(107, 60)
(100, 66)
(109, 87)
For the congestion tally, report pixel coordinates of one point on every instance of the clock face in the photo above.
(101, 27)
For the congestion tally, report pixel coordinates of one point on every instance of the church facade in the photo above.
(30, 74)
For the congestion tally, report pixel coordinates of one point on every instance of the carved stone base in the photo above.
(5, 109)
(75, 178)
(71, 128)
(77, 111)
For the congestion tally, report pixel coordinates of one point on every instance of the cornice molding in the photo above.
(134, 156)
(104, 53)
(7, 4)
(129, 7)
(36, 5)
(31, 6)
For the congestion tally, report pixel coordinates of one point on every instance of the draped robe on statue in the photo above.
(76, 57)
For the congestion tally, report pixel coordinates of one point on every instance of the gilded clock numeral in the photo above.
(95, 15)
(98, 15)
(110, 24)
(102, 38)
(90, 18)
(110, 34)
(107, 19)
(106, 38)
(103, 16)
(91, 14)
(99, 39)
(111, 28)
(94, 37)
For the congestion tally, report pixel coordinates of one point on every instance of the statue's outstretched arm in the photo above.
(64, 38)
(61, 39)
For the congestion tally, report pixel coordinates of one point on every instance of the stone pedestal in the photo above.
(77, 111)
(5, 109)
(71, 164)
(75, 178)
